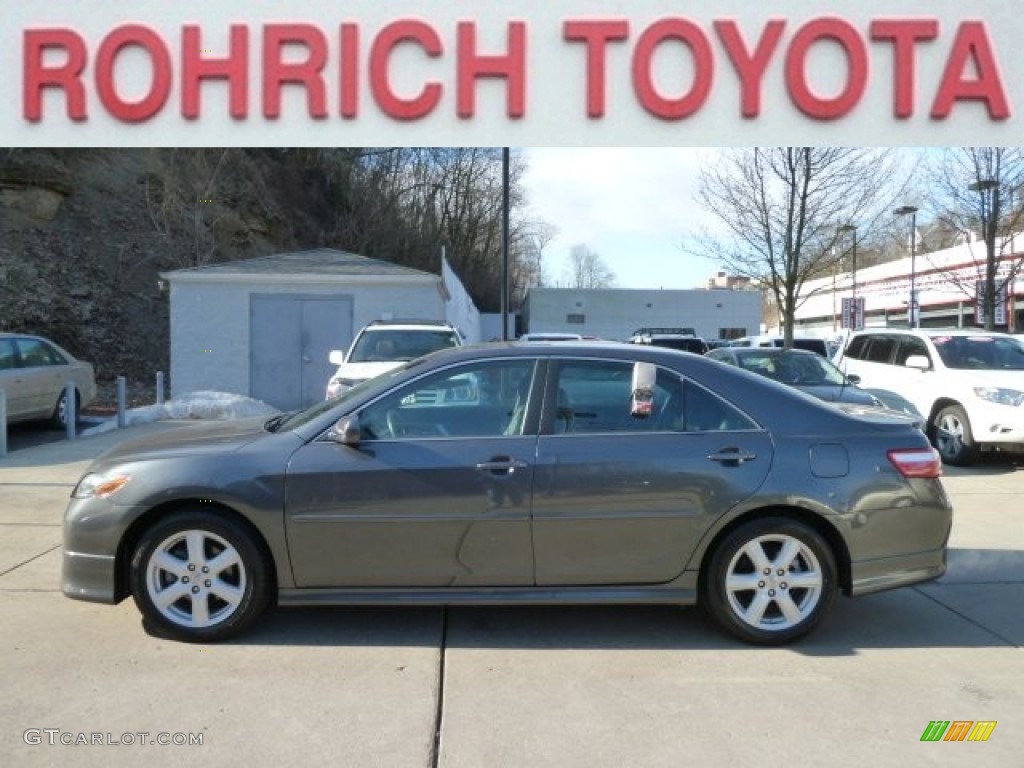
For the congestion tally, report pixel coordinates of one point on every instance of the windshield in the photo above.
(981, 352)
(394, 344)
(798, 369)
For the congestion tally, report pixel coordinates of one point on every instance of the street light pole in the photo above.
(852, 228)
(903, 210)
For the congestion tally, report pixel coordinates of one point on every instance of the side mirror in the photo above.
(642, 400)
(345, 431)
(337, 356)
(854, 379)
(918, 361)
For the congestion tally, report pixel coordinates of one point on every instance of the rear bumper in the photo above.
(891, 572)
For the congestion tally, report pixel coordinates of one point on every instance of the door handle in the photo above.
(732, 456)
(501, 465)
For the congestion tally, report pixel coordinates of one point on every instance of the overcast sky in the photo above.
(633, 206)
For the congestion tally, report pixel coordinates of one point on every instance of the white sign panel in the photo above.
(490, 72)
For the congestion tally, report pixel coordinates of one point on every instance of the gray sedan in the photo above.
(518, 473)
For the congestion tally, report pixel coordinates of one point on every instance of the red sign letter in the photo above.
(234, 68)
(595, 35)
(276, 72)
(511, 66)
(837, 31)
(67, 76)
(750, 67)
(971, 44)
(380, 85)
(643, 83)
(160, 88)
(904, 35)
(348, 82)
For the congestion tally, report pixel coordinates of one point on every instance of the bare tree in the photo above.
(782, 208)
(977, 190)
(588, 270)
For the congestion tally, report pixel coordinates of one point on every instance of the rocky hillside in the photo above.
(84, 234)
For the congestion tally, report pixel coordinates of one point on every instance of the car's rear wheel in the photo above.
(952, 437)
(200, 576)
(770, 581)
(60, 411)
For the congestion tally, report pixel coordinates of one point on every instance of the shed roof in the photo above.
(318, 263)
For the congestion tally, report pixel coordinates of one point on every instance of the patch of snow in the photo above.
(212, 406)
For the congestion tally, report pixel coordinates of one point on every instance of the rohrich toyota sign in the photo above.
(464, 72)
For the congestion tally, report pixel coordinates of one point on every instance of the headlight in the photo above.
(100, 484)
(999, 395)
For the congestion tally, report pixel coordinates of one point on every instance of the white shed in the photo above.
(264, 327)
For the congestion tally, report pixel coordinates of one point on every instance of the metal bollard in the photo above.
(70, 410)
(3, 423)
(121, 398)
(159, 387)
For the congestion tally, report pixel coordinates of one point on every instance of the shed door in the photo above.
(291, 337)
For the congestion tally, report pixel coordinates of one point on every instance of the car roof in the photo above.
(762, 351)
(407, 325)
(933, 331)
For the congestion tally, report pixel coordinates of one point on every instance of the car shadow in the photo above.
(926, 616)
(991, 463)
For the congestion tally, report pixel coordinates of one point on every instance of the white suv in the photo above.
(968, 384)
(384, 345)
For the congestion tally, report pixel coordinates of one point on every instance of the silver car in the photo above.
(582, 472)
(34, 372)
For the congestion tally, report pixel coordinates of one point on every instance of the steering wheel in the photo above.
(418, 430)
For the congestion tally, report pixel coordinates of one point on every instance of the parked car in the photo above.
(384, 345)
(968, 384)
(807, 371)
(683, 342)
(34, 372)
(810, 343)
(579, 472)
(550, 336)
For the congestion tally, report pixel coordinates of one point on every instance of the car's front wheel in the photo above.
(770, 581)
(952, 436)
(200, 576)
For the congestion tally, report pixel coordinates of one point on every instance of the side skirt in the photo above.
(488, 596)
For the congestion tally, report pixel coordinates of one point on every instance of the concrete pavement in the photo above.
(547, 686)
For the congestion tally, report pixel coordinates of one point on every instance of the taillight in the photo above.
(916, 462)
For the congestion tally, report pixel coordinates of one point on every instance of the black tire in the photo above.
(953, 438)
(60, 411)
(795, 552)
(210, 605)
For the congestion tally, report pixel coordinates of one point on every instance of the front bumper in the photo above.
(89, 577)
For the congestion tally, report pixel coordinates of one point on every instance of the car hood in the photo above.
(987, 377)
(190, 439)
(364, 371)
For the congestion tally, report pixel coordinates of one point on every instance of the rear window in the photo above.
(391, 345)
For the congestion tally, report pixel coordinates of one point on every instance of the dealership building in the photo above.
(615, 313)
(947, 284)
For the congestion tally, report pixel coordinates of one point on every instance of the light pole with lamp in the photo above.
(989, 222)
(912, 307)
(853, 276)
